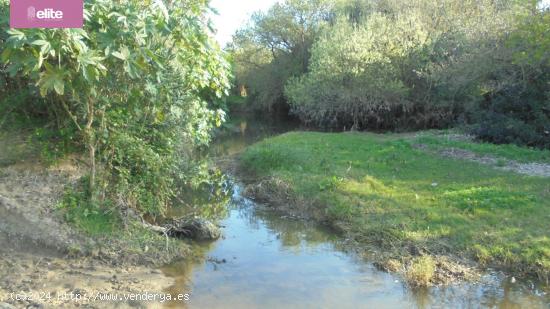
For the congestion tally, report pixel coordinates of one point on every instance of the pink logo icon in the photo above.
(46, 13)
(31, 13)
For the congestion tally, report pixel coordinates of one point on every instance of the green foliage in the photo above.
(269, 157)
(386, 65)
(519, 111)
(389, 65)
(385, 191)
(112, 232)
(53, 144)
(356, 74)
(275, 48)
(330, 183)
(78, 210)
(133, 87)
(19, 105)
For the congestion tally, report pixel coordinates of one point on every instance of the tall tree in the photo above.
(132, 88)
(276, 46)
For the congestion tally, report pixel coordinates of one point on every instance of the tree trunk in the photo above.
(91, 151)
(90, 139)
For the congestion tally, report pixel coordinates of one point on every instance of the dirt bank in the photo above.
(43, 280)
(27, 208)
(44, 260)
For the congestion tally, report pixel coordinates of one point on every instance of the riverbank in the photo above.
(42, 251)
(434, 207)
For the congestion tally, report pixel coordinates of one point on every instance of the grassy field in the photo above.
(386, 191)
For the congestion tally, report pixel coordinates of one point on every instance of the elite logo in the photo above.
(46, 13)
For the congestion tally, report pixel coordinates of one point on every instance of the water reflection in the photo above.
(272, 261)
(267, 260)
(205, 195)
(493, 291)
(243, 132)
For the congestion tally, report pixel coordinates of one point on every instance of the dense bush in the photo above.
(18, 103)
(395, 66)
(357, 76)
(390, 65)
(134, 87)
(519, 111)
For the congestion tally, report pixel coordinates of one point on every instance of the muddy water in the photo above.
(268, 260)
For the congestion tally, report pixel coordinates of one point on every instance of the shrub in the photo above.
(356, 76)
(133, 87)
(519, 110)
(393, 66)
(421, 271)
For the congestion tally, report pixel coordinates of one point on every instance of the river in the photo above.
(268, 260)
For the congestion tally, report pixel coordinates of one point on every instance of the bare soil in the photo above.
(41, 255)
(529, 169)
(32, 280)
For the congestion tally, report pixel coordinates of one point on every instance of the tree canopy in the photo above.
(389, 65)
(135, 87)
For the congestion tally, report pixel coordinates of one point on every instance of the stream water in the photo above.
(268, 260)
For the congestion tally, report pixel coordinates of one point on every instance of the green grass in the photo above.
(387, 192)
(91, 219)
